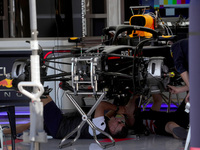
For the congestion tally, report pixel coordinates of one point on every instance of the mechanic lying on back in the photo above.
(58, 126)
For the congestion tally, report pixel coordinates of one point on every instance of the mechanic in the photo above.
(58, 125)
(180, 57)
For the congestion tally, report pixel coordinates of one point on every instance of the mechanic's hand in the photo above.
(187, 97)
(174, 89)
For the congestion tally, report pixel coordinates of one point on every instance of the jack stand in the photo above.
(36, 107)
(86, 118)
(37, 133)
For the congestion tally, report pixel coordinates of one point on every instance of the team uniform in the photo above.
(180, 55)
(58, 125)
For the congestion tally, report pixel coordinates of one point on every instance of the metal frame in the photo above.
(86, 118)
(168, 100)
(76, 82)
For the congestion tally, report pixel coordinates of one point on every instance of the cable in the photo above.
(57, 99)
(62, 100)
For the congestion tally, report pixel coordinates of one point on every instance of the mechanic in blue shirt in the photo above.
(180, 57)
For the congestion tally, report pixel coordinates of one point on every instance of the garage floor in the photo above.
(151, 142)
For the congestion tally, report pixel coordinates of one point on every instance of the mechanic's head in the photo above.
(117, 127)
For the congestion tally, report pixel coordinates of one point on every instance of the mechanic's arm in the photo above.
(103, 106)
(176, 90)
(185, 77)
(130, 109)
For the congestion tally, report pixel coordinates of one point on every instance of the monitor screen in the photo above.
(171, 3)
(169, 8)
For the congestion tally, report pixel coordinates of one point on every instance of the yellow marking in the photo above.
(74, 38)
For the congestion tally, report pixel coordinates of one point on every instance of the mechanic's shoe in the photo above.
(5, 127)
(20, 136)
(47, 90)
(180, 132)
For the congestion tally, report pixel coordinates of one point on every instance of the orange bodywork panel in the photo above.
(142, 20)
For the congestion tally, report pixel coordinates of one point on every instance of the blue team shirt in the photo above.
(180, 55)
